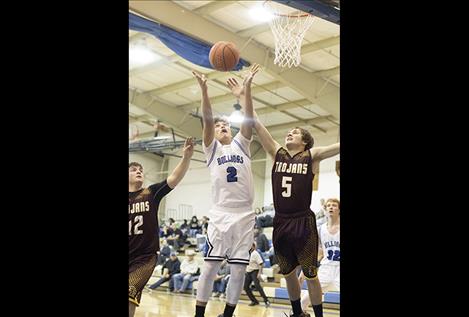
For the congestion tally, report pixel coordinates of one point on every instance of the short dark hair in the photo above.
(218, 119)
(135, 164)
(306, 137)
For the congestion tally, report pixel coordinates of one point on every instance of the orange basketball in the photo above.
(224, 56)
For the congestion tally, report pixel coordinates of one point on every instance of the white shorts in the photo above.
(329, 277)
(230, 235)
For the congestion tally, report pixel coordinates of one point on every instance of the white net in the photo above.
(289, 32)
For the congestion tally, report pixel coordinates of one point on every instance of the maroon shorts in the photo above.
(140, 271)
(295, 240)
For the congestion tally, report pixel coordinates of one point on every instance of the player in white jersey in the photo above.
(230, 229)
(329, 237)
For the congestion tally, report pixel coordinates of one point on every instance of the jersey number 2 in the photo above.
(231, 177)
(138, 222)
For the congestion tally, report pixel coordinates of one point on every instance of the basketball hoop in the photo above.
(289, 31)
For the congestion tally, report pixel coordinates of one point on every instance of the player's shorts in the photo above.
(230, 235)
(295, 241)
(140, 271)
(329, 277)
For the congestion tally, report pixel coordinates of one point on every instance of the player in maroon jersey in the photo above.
(295, 236)
(143, 222)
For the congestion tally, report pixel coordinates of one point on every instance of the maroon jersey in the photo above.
(143, 220)
(292, 182)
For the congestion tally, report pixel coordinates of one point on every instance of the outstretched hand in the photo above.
(238, 90)
(188, 149)
(248, 79)
(201, 79)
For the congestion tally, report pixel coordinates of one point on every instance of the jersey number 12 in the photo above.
(138, 222)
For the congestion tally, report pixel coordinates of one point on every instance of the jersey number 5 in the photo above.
(138, 222)
(287, 186)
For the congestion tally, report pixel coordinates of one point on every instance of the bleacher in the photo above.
(274, 284)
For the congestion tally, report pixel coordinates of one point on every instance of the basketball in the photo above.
(224, 56)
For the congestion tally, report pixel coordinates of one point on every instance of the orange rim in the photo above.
(304, 15)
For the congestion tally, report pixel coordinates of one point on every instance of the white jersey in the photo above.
(330, 244)
(230, 173)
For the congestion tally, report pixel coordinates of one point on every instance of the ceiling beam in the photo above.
(284, 106)
(319, 45)
(291, 125)
(163, 60)
(254, 30)
(229, 96)
(212, 7)
(183, 84)
(313, 87)
(185, 123)
(328, 72)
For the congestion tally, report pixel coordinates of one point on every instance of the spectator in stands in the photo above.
(321, 214)
(170, 267)
(221, 280)
(175, 238)
(272, 258)
(261, 240)
(265, 219)
(167, 231)
(204, 224)
(184, 227)
(164, 253)
(190, 271)
(253, 273)
(194, 227)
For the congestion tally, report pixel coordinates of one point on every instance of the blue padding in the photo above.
(318, 8)
(329, 297)
(281, 293)
(332, 297)
(185, 46)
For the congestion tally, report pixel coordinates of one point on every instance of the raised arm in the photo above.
(181, 169)
(323, 152)
(207, 116)
(270, 145)
(246, 126)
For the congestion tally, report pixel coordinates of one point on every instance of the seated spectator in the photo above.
(266, 218)
(221, 280)
(272, 258)
(170, 267)
(184, 227)
(261, 240)
(190, 271)
(164, 252)
(177, 238)
(167, 231)
(194, 227)
(204, 224)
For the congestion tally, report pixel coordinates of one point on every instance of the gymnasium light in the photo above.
(237, 116)
(140, 55)
(259, 13)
